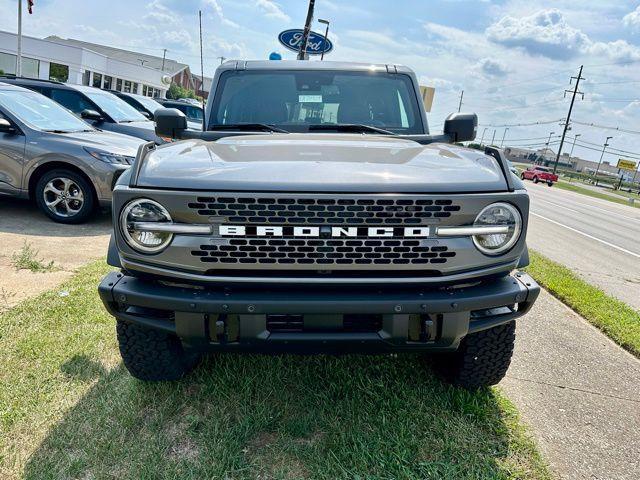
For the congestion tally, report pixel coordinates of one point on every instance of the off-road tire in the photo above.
(482, 359)
(535, 180)
(153, 355)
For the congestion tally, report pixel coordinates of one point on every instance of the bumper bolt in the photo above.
(397, 308)
(192, 305)
(251, 308)
(423, 307)
(122, 298)
(225, 307)
(454, 305)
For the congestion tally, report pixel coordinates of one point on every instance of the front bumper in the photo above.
(312, 319)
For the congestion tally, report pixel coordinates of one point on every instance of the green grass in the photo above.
(68, 409)
(27, 259)
(591, 193)
(615, 318)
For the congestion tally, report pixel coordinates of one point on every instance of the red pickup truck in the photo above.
(539, 174)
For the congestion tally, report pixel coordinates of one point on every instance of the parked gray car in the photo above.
(49, 155)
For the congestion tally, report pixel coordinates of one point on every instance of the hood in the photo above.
(107, 141)
(320, 163)
(144, 130)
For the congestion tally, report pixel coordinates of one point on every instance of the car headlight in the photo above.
(498, 215)
(110, 157)
(138, 213)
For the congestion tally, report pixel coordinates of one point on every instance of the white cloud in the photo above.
(544, 33)
(632, 19)
(491, 68)
(272, 9)
(217, 10)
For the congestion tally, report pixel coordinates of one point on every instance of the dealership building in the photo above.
(84, 63)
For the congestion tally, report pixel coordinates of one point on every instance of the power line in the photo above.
(605, 127)
(541, 122)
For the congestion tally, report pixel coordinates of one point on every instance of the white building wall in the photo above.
(79, 60)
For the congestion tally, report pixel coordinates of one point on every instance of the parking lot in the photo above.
(67, 246)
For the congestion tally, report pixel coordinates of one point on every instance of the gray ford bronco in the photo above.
(316, 213)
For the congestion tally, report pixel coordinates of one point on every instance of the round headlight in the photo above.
(498, 215)
(143, 211)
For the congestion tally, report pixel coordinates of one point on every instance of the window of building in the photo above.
(30, 66)
(134, 88)
(86, 77)
(58, 72)
(144, 90)
(119, 84)
(127, 86)
(108, 82)
(97, 80)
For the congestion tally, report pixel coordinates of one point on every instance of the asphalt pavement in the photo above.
(597, 239)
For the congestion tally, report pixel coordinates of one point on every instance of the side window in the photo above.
(194, 113)
(71, 100)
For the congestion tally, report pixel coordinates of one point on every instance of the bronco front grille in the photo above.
(353, 251)
(287, 210)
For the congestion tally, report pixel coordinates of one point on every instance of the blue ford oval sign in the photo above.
(316, 44)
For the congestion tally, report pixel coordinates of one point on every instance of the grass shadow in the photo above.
(286, 417)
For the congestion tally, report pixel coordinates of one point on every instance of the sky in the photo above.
(513, 58)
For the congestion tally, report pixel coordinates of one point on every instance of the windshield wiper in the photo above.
(59, 131)
(250, 127)
(349, 127)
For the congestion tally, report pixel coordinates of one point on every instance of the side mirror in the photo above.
(6, 127)
(147, 114)
(91, 115)
(461, 127)
(170, 123)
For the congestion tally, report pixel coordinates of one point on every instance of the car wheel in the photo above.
(482, 359)
(535, 180)
(64, 196)
(152, 355)
(522, 176)
(550, 184)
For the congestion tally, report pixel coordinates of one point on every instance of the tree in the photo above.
(176, 91)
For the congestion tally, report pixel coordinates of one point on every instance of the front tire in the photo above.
(482, 359)
(65, 196)
(535, 180)
(153, 355)
(522, 176)
(550, 184)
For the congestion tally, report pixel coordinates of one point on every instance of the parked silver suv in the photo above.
(50, 155)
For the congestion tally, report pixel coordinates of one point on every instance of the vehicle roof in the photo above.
(8, 86)
(31, 81)
(312, 65)
(177, 102)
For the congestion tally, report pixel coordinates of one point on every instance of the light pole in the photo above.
(547, 148)
(574, 144)
(326, 35)
(483, 132)
(604, 147)
(494, 137)
(503, 135)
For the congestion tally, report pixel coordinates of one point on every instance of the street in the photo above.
(597, 239)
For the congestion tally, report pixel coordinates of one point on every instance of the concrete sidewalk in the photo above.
(579, 393)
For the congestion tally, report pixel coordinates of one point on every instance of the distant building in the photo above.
(85, 63)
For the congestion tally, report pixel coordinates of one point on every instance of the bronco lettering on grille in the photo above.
(324, 231)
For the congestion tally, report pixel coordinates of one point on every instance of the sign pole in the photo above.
(302, 54)
(19, 56)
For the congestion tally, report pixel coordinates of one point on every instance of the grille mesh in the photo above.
(286, 251)
(317, 211)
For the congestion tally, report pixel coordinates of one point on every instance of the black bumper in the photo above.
(309, 319)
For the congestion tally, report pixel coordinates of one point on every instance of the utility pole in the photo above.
(482, 138)
(547, 148)
(302, 54)
(19, 56)
(222, 59)
(164, 57)
(574, 144)
(494, 137)
(326, 34)
(606, 144)
(566, 124)
(460, 104)
(503, 135)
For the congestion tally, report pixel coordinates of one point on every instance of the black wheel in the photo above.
(522, 176)
(64, 196)
(481, 360)
(153, 355)
(535, 180)
(550, 184)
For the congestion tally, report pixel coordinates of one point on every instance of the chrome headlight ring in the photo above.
(144, 210)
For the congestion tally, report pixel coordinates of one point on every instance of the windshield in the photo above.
(41, 113)
(115, 107)
(294, 100)
(148, 103)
